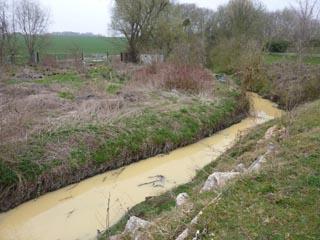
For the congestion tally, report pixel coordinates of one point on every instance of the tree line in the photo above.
(191, 34)
(21, 17)
(182, 32)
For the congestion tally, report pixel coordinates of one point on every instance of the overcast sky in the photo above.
(94, 15)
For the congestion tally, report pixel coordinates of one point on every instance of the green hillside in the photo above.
(60, 44)
(87, 44)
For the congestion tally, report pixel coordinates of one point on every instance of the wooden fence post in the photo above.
(37, 58)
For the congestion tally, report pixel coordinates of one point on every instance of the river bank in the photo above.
(68, 127)
(277, 201)
(67, 208)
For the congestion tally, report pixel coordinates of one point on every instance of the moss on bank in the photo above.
(33, 169)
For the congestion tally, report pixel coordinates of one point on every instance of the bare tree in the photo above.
(33, 21)
(235, 27)
(282, 24)
(244, 18)
(195, 19)
(11, 32)
(307, 15)
(167, 31)
(3, 27)
(135, 20)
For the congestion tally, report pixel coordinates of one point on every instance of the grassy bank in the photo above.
(281, 202)
(280, 78)
(278, 58)
(82, 128)
(287, 83)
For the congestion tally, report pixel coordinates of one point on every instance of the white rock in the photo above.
(157, 184)
(196, 218)
(115, 237)
(134, 224)
(240, 168)
(183, 235)
(139, 236)
(218, 180)
(271, 148)
(256, 165)
(283, 132)
(181, 199)
(270, 132)
(196, 235)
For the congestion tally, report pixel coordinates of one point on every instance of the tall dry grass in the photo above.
(191, 79)
(27, 109)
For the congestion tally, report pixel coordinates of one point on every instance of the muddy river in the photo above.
(79, 210)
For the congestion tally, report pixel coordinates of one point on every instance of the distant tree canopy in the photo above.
(135, 19)
(189, 34)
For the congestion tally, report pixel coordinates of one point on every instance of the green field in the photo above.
(86, 44)
(61, 44)
(275, 58)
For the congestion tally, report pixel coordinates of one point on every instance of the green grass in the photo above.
(140, 130)
(66, 95)
(62, 78)
(274, 58)
(113, 89)
(97, 71)
(281, 202)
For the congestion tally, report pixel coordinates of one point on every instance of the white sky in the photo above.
(94, 15)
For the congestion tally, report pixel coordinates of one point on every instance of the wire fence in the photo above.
(61, 59)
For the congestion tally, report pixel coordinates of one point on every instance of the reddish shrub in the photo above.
(185, 78)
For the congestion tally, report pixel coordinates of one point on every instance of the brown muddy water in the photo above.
(79, 210)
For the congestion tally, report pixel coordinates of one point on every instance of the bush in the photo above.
(224, 55)
(244, 60)
(192, 79)
(278, 46)
(190, 52)
(185, 78)
(294, 84)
